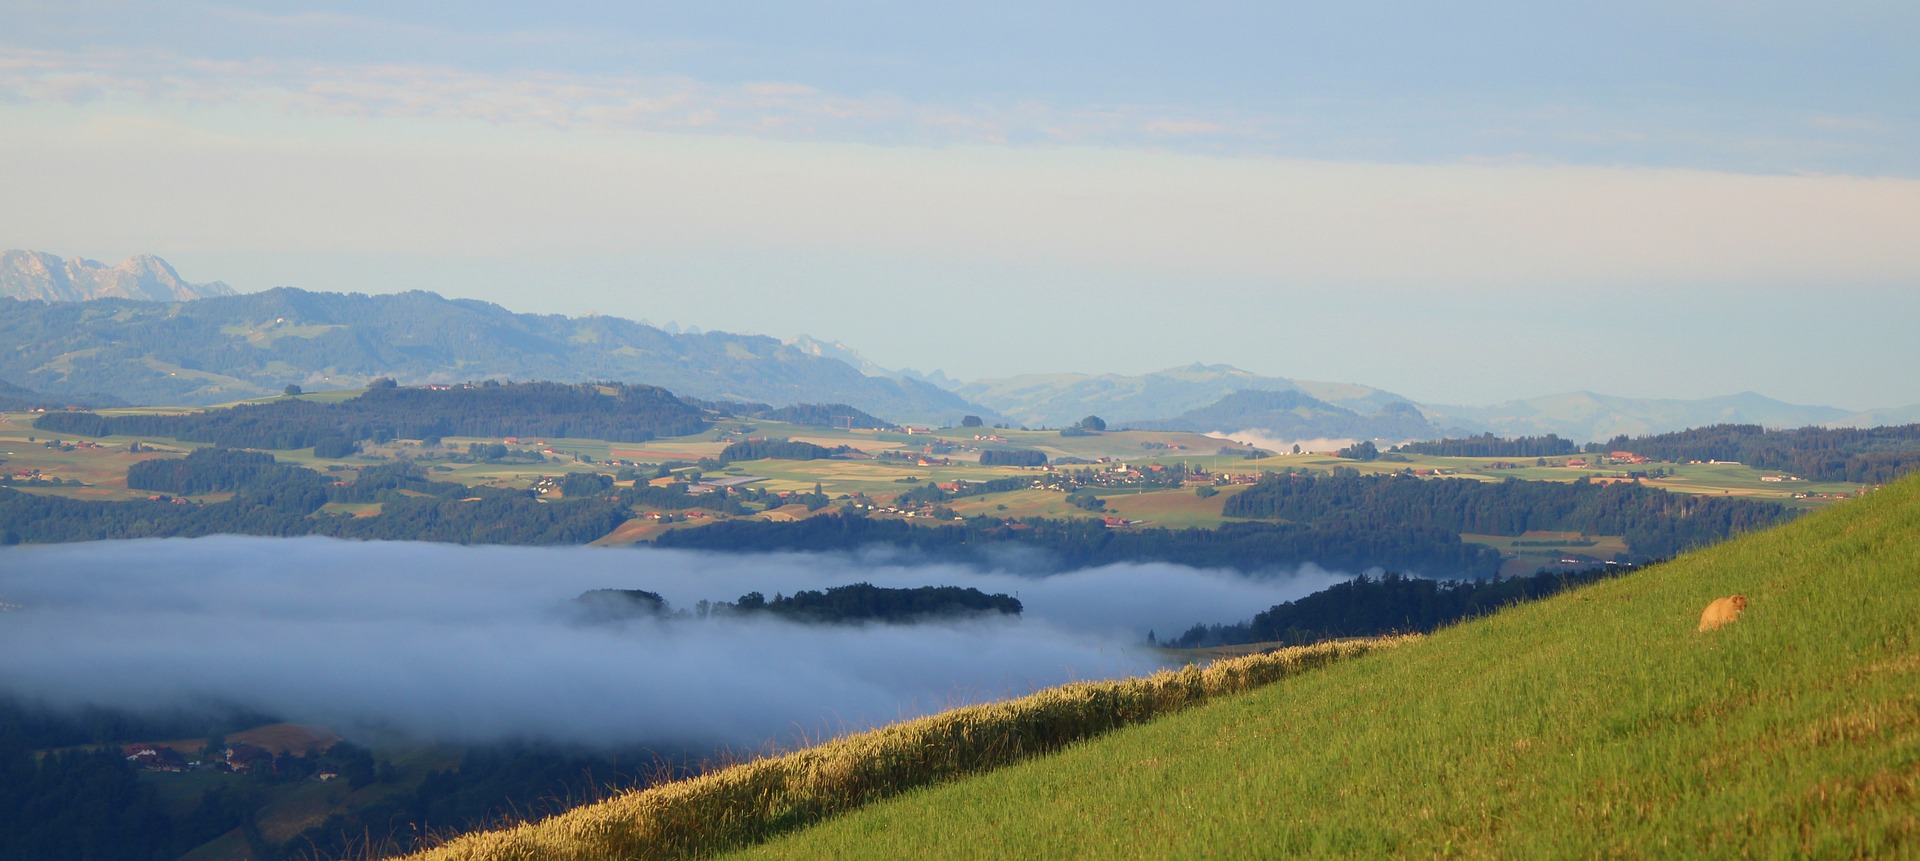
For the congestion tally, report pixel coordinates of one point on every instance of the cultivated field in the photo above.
(97, 470)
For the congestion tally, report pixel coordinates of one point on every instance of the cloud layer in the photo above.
(475, 644)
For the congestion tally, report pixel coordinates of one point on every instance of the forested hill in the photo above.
(14, 397)
(236, 347)
(1656, 523)
(623, 413)
(1864, 455)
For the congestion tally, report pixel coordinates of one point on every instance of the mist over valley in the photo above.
(473, 645)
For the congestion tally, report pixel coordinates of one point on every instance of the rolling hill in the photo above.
(1596, 723)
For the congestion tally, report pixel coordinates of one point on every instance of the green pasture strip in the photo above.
(739, 805)
(1599, 723)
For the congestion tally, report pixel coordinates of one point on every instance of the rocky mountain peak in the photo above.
(51, 278)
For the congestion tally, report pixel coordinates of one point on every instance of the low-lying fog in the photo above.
(465, 644)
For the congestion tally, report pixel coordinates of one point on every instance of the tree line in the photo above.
(1012, 457)
(1392, 603)
(1857, 455)
(630, 413)
(287, 501)
(1655, 523)
(865, 602)
(1083, 542)
(1488, 445)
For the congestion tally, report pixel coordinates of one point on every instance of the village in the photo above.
(281, 751)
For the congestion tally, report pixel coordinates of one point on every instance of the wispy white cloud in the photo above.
(777, 109)
(796, 110)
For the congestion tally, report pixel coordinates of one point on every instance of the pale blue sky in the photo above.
(1462, 202)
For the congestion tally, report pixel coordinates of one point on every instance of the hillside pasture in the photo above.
(102, 468)
(1598, 723)
(1174, 509)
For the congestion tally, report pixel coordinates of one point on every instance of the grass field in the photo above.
(1595, 724)
(749, 801)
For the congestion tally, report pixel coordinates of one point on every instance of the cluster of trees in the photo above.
(629, 413)
(1362, 450)
(1089, 426)
(1013, 457)
(1656, 523)
(207, 470)
(823, 416)
(865, 602)
(1488, 445)
(1371, 606)
(931, 493)
(1083, 542)
(1858, 455)
(777, 449)
(612, 605)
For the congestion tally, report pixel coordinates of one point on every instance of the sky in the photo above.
(1461, 203)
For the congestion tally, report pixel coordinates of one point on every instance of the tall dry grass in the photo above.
(745, 803)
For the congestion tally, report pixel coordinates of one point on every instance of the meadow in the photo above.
(1596, 724)
(754, 800)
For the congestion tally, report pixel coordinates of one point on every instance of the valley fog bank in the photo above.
(470, 645)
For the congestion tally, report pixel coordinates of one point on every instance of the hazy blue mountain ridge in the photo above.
(1297, 416)
(154, 340)
(1583, 416)
(1062, 399)
(228, 348)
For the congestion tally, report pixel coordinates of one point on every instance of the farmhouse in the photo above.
(155, 758)
(247, 758)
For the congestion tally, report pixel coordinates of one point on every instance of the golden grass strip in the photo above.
(743, 804)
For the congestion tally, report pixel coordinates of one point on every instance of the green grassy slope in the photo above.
(1596, 723)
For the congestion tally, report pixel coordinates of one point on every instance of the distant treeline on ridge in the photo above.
(624, 413)
(1874, 455)
(1656, 523)
(1860, 455)
(1488, 445)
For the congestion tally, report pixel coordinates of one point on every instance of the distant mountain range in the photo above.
(1209, 398)
(1296, 416)
(1590, 416)
(1061, 399)
(77, 330)
(38, 275)
(235, 347)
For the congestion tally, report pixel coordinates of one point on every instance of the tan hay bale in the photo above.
(1722, 611)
